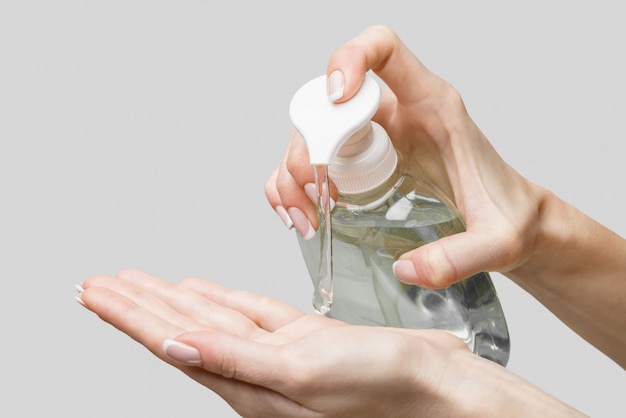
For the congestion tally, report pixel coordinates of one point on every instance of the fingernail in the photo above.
(335, 85)
(182, 352)
(284, 216)
(301, 222)
(80, 300)
(311, 191)
(404, 270)
(79, 288)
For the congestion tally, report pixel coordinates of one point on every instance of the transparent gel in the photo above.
(369, 232)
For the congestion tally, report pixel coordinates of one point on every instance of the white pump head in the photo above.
(358, 151)
(324, 125)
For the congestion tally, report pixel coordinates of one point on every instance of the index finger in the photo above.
(379, 49)
(269, 314)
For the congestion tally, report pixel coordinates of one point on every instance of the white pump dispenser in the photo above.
(324, 125)
(342, 136)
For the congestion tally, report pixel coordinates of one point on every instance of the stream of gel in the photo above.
(323, 293)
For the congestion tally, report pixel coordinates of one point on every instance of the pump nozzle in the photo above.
(324, 125)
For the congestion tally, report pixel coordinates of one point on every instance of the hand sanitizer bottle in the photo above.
(385, 208)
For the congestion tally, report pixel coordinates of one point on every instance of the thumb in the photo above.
(229, 356)
(246, 374)
(451, 259)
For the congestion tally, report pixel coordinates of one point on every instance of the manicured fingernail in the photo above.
(284, 216)
(79, 300)
(79, 288)
(311, 191)
(335, 85)
(182, 352)
(301, 222)
(404, 270)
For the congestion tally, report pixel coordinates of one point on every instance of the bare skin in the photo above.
(266, 358)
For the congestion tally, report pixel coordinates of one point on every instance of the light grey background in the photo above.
(140, 134)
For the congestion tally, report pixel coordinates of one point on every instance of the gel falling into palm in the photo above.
(323, 293)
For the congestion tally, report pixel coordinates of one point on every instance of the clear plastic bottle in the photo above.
(386, 207)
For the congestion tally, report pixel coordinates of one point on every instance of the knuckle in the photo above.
(299, 168)
(384, 32)
(437, 268)
(228, 365)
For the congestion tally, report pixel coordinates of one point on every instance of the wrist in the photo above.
(552, 233)
(490, 390)
(568, 245)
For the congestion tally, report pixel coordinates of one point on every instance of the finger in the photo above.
(143, 299)
(273, 197)
(151, 330)
(190, 304)
(416, 105)
(238, 358)
(296, 160)
(269, 314)
(451, 259)
(378, 48)
(141, 324)
(294, 175)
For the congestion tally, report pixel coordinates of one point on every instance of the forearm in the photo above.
(578, 271)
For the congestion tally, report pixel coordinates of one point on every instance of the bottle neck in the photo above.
(378, 194)
(365, 161)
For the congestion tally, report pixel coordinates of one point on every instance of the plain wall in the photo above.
(140, 134)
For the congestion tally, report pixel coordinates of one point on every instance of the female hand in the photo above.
(266, 358)
(426, 118)
(572, 264)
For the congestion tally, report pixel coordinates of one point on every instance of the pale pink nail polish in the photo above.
(182, 352)
(404, 270)
(301, 223)
(80, 300)
(311, 191)
(335, 85)
(284, 216)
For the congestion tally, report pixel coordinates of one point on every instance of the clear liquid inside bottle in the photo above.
(369, 232)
